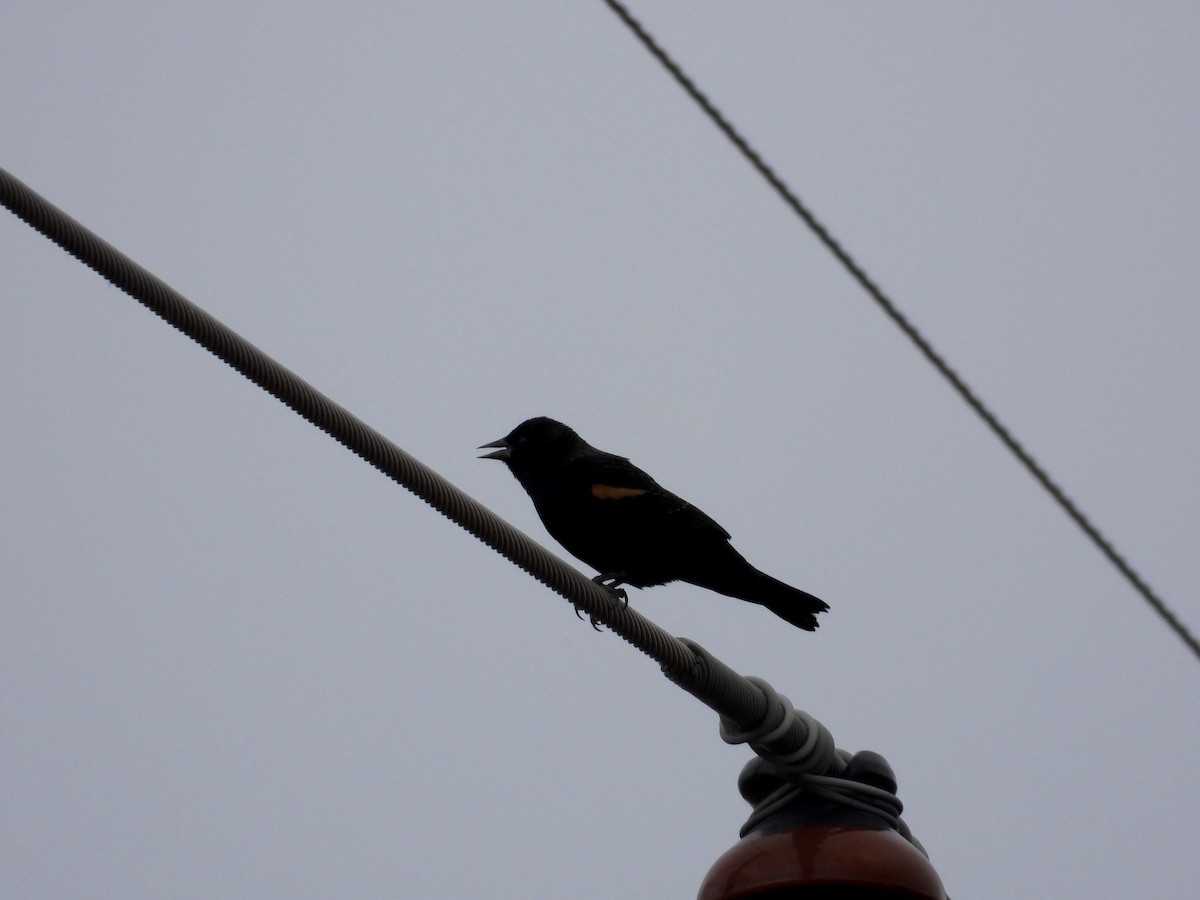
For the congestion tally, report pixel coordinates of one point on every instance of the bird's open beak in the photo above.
(503, 453)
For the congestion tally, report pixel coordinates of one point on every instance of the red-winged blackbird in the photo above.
(617, 519)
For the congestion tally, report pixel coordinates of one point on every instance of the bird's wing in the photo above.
(698, 519)
(615, 478)
(611, 477)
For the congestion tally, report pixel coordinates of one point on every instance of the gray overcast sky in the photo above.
(236, 661)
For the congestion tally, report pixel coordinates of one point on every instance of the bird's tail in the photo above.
(791, 604)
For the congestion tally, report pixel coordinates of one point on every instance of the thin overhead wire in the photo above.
(877, 294)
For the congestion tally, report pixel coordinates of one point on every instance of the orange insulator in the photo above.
(814, 847)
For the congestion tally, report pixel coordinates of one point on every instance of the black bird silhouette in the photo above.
(609, 513)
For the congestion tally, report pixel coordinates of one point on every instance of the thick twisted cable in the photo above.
(335, 420)
(732, 696)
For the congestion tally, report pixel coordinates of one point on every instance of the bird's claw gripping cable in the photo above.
(611, 583)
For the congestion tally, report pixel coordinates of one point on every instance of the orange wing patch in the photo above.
(608, 492)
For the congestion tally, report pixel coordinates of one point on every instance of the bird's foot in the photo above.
(612, 582)
(591, 618)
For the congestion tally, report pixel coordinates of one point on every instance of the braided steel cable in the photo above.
(742, 705)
